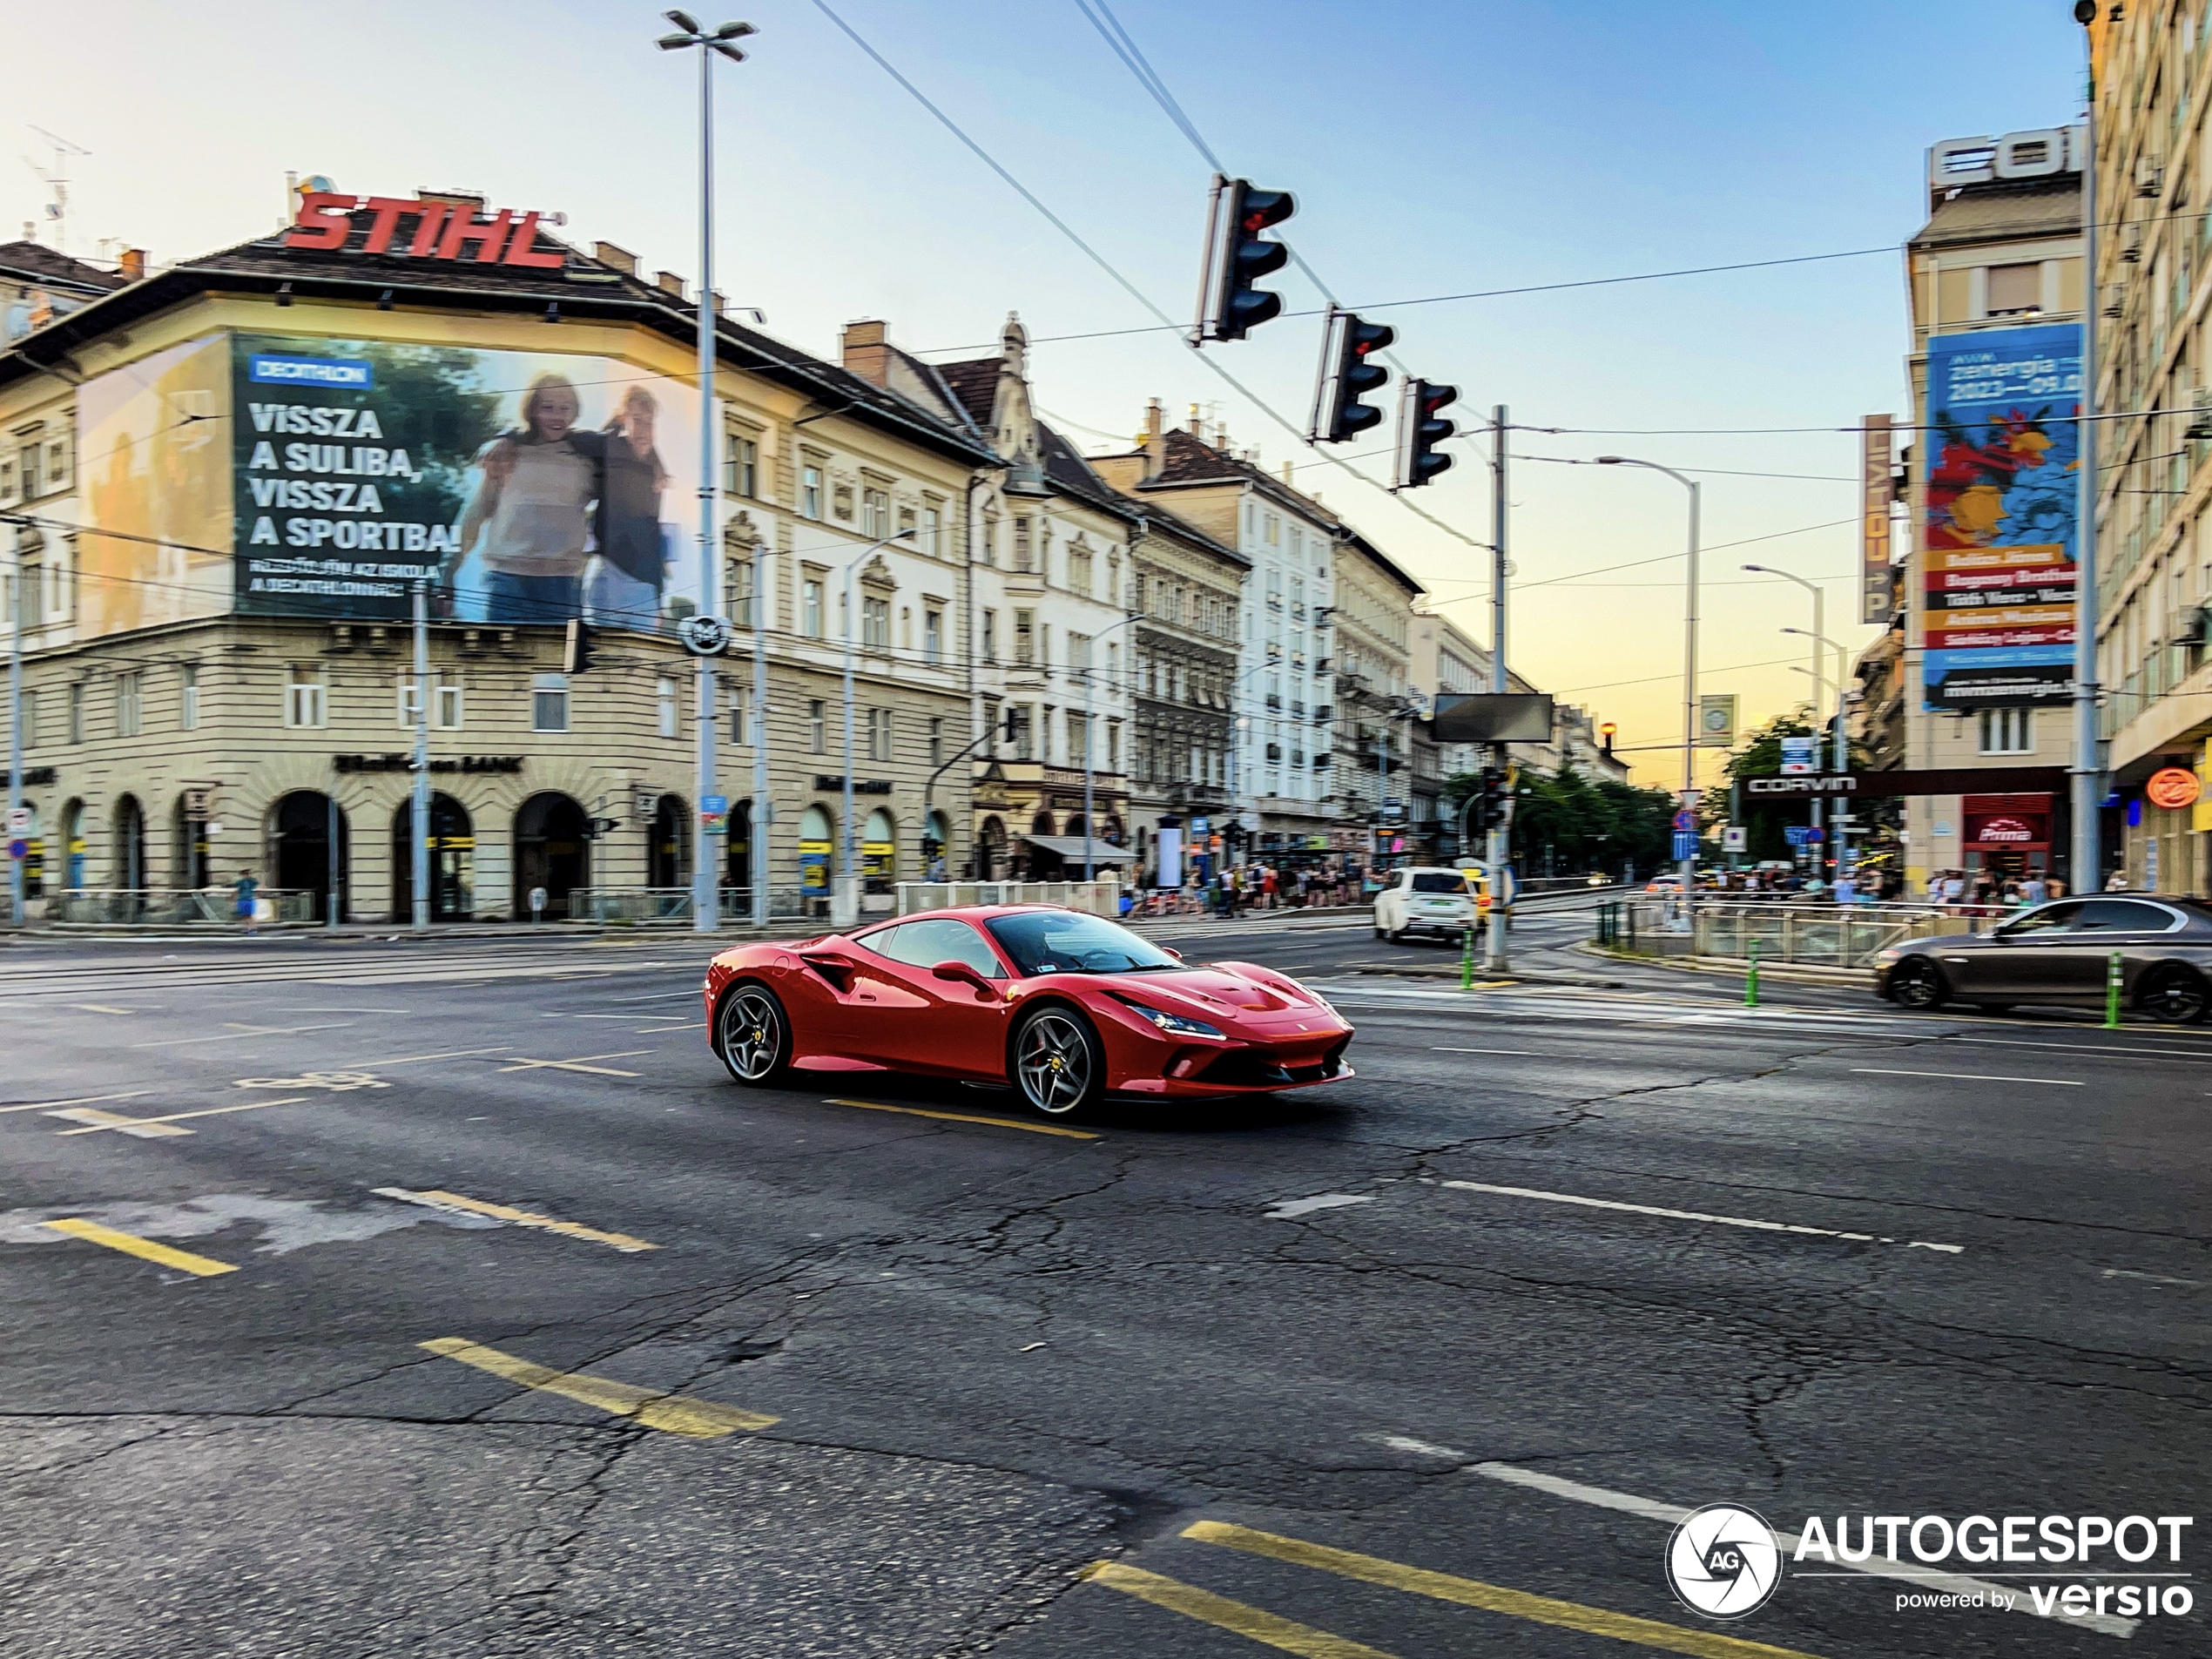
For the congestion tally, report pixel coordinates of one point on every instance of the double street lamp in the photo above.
(1840, 752)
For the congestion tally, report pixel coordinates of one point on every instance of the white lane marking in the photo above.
(2151, 1278)
(1291, 1209)
(1531, 1053)
(93, 1118)
(1963, 1077)
(245, 1031)
(1688, 1215)
(1877, 1567)
(74, 1100)
(2083, 1048)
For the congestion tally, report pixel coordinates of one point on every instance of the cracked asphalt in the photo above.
(1623, 1236)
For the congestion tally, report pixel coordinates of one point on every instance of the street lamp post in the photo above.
(1687, 866)
(2086, 856)
(844, 851)
(1820, 626)
(1840, 757)
(705, 876)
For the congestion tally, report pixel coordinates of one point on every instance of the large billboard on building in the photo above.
(153, 487)
(296, 477)
(533, 486)
(2003, 489)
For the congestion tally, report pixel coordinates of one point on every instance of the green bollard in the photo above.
(1751, 979)
(1467, 959)
(2112, 994)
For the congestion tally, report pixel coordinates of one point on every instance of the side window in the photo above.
(925, 944)
(2051, 919)
(884, 942)
(2121, 915)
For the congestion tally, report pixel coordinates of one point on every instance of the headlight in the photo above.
(1175, 1024)
(1889, 952)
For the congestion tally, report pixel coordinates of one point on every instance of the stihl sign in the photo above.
(434, 229)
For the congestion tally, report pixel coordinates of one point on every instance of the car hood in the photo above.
(1241, 990)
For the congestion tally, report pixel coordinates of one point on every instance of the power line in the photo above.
(1733, 668)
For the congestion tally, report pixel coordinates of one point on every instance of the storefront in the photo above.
(2007, 835)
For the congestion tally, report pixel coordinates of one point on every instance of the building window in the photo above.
(2015, 289)
(933, 637)
(1025, 638)
(549, 702)
(8, 480)
(875, 514)
(875, 623)
(1020, 731)
(30, 718)
(130, 702)
(878, 734)
(817, 726)
(1079, 570)
(991, 636)
(933, 531)
(1113, 745)
(842, 502)
(188, 700)
(741, 467)
(937, 740)
(809, 492)
(740, 733)
(810, 608)
(445, 705)
(739, 586)
(57, 463)
(77, 712)
(1024, 553)
(1271, 529)
(2007, 731)
(664, 697)
(304, 698)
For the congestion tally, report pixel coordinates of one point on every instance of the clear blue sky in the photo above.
(1477, 145)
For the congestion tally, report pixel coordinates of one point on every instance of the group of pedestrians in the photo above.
(1983, 891)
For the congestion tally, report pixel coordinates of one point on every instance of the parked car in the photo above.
(1430, 899)
(1065, 1007)
(2062, 953)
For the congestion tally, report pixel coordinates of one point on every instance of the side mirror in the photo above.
(1169, 950)
(962, 973)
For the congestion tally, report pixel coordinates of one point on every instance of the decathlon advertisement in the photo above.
(521, 487)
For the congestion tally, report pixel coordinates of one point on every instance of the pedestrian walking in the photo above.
(247, 890)
(2117, 882)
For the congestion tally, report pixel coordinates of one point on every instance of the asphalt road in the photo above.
(1560, 1261)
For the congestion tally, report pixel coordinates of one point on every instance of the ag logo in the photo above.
(1722, 1562)
(704, 636)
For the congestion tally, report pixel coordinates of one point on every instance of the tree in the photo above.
(1760, 756)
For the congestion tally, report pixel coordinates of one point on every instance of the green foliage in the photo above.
(1581, 824)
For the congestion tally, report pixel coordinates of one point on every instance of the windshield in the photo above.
(1068, 941)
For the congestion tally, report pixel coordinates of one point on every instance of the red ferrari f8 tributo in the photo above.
(1067, 1007)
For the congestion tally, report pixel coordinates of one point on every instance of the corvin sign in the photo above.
(1960, 780)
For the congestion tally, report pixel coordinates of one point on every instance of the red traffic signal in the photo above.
(1238, 256)
(1421, 428)
(1347, 375)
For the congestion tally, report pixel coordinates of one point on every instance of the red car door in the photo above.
(919, 1022)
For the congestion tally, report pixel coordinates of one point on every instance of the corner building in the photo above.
(224, 482)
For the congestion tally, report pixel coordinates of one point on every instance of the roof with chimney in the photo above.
(34, 262)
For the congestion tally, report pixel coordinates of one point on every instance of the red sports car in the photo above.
(1066, 1006)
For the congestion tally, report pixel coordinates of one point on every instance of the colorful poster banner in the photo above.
(1999, 534)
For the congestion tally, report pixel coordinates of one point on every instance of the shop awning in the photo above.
(1070, 849)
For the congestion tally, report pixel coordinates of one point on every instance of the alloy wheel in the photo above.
(1054, 1062)
(2176, 999)
(753, 1034)
(1916, 984)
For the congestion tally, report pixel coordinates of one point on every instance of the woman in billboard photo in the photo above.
(532, 507)
(623, 585)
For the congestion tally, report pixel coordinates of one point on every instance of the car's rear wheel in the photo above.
(1915, 984)
(2176, 996)
(753, 1035)
(1058, 1064)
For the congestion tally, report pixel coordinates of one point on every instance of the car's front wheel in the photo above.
(1058, 1064)
(1917, 984)
(753, 1035)
(2176, 996)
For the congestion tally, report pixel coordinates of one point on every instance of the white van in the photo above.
(1427, 898)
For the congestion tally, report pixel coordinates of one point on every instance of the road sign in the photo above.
(1803, 835)
(1800, 756)
(18, 849)
(1735, 839)
(1685, 819)
(714, 815)
(1685, 845)
(18, 820)
(704, 636)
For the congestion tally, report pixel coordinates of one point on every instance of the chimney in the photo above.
(1155, 442)
(1286, 474)
(865, 349)
(1197, 424)
(621, 258)
(669, 282)
(132, 266)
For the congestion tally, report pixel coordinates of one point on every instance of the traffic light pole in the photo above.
(15, 721)
(1493, 957)
(420, 826)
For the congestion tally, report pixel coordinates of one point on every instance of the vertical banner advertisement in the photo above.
(2001, 509)
(1874, 608)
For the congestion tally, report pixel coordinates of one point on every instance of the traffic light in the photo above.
(1421, 428)
(1238, 256)
(576, 655)
(1491, 806)
(1347, 377)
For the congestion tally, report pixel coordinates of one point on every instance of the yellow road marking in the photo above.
(74, 1100)
(236, 1031)
(969, 1118)
(410, 1059)
(159, 1125)
(443, 1200)
(1468, 1592)
(93, 1118)
(578, 1065)
(1225, 1615)
(703, 1419)
(130, 1244)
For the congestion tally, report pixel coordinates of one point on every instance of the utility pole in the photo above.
(1501, 834)
(15, 718)
(422, 826)
(2086, 862)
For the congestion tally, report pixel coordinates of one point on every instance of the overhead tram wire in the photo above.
(1131, 288)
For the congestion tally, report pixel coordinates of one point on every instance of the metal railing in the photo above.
(182, 907)
(1829, 935)
(1100, 898)
(671, 906)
